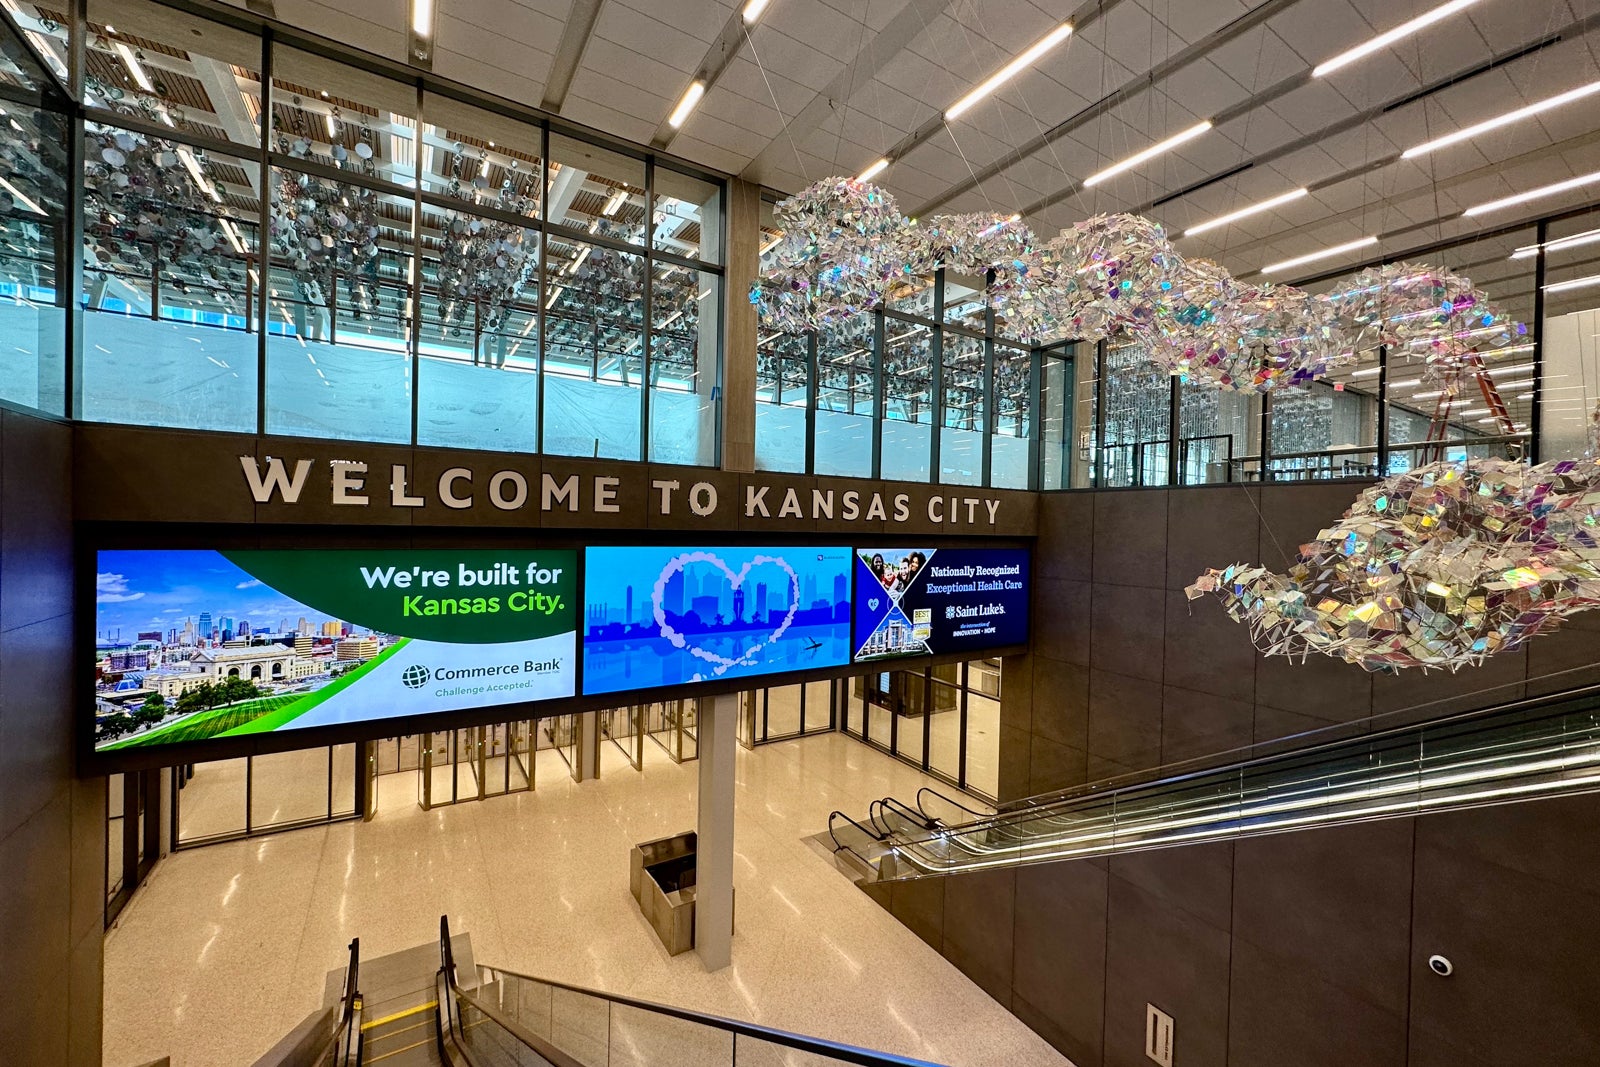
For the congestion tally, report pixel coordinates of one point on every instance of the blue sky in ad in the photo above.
(157, 589)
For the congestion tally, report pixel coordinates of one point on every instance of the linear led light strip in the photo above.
(1503, 120)
(1534, 194)
(1024, 59)
(1149, 153)
(1389, 37)
(1245, 212)
(1573, 283)
(1406, 783)
(1326, 253)
(1588, 237)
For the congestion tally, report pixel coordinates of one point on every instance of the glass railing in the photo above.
(1550, 745)
(502, 1019)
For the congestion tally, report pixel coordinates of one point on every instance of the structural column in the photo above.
(739, 339)
(713, 890)
(587, 768)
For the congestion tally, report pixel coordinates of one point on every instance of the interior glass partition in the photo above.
(908, 400)
(1568, 390)
(846, 413)
(221, 800)
(943, 719)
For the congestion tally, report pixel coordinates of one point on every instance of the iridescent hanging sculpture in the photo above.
(843, 245)
(1440, 567)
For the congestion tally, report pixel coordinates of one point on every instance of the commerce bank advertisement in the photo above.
(197, 644)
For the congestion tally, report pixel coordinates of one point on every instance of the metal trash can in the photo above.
(661, 876)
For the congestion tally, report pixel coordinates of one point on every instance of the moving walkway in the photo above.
(456, 1013)
(1516, 751)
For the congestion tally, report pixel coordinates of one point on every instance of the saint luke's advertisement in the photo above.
(192, 645)
(926, 601)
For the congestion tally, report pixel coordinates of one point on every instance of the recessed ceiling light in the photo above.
(1149, 153)
(1326, 253)
(1503, 120)
(1234, 216)
(691, 97)
(873, 171)
(1010, 70)
(1534, 194)
(132, 63)
(1389, 37)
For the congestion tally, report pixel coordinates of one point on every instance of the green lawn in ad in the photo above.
(206, 724)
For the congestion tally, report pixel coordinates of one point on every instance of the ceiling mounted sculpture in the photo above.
(1440, 567)
(845, 246)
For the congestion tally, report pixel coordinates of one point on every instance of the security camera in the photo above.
(1441, 966)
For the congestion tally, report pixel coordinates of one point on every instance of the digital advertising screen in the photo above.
(932, 602)
(664, 616)
(194, 644)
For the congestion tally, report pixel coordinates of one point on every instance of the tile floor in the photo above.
(226, 947)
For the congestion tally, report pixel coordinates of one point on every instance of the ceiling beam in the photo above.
(569, 53)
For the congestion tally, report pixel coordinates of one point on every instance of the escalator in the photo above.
(1522, 750)
(433, 1005)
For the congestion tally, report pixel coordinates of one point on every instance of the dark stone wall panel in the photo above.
(1130, 537)
(979, 923)
(1059, 980)
(1279, 1014)
(1128, 626)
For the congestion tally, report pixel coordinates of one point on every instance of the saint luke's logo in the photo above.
(415, 676)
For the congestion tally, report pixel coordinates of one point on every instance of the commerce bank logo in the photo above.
(415, 676)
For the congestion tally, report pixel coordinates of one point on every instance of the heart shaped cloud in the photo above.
(722, 664)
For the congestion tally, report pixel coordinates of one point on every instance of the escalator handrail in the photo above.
(905, 811)
(347, 1038)
(1049, 804)
(451, 994)
(1164, 773)
(948, 800)
(814, 1045)
(841, 815)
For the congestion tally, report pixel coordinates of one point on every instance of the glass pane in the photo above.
(688, 216)
(338, 333)
(1012, 424)
(684, 365)
(1571, 338)
(1138, 418)
(1056, 409)
(782, 371)
(171, 250)
(344, 116)
(944, 730)
(818, 709)
(115, 797)
(965, 302)
(175, 68)
(595, 189)
(845, 413)
(480, 157)
(783, 711)
(962, 407)
(288, 787)
(911, 713)
(478, 360)
(344, 779)
(594, 337)
(1218, 430)
(983, 744)
(45, 32)
(908, 400)
(213, 801)
(32, 224)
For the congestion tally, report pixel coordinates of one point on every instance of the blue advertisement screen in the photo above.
(665, 616)
(932, 602)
